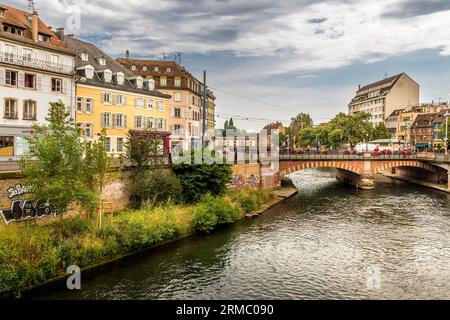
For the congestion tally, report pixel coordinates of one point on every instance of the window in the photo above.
(138, 122)
(102, 61)
(27, 55)
(80, 104)
(150, 104)
(177, 96)
(139, 82)
(148, 122)
(168, 70)
(106, 119)
(133, 68)
(177, 128)
(54, 59)
(108, 76)
(89, 105)
(107, 97)
(108, 144)
(163, 82)
(156, 69)
(120, 78)
(84, 57)
(160, 124)
(9, 53)
(161, 105)
(89, 72)
(119, 144)
(11, 78)
(177, 82)
(56, 85)
(144, 68)
(29, 110)
(10, 111)
(43, 37)
(88, 130)
(121, 100)
(177, 112)
(30, 81)
(140, 102)
(119, 123)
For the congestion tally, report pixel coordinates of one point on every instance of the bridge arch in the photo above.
(387, 165)
(294, 166)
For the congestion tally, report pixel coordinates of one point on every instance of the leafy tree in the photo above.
(225, 126)
(380, 132)
(143, 150)
(199, 179)
(53, 167)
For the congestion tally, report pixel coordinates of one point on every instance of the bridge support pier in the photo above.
(364, 182)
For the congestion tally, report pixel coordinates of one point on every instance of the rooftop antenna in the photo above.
(164, 55)
(31, 5)
(179, 58)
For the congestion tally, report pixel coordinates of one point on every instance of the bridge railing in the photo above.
(343, 156)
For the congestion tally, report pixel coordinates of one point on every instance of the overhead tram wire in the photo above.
(264, 102)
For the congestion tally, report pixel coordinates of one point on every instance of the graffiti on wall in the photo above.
(21, 209)
(240, 181)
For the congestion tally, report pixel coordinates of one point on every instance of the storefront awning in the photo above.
(421, 145)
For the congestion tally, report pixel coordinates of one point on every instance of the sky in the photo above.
(270, 60)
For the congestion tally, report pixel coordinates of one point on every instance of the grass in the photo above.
(31, 254)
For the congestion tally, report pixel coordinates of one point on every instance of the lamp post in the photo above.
(446, 115)
(288, 147)
(367, 142)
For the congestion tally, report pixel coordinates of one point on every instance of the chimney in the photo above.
(127, 54)
(35, 25)
(60, 33)
(359, 87)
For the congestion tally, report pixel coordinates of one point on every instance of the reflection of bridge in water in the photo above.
(359, 169)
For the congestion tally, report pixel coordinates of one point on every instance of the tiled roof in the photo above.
(20, 18)
(381, 82)
(429, 119)
(93, 54)
(176, 69)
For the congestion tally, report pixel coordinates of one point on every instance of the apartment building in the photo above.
(185, 106)
(110, 96)
(36, 68)
(425, 131)
(381, 98)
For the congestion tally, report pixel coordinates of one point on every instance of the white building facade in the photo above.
(34, 72)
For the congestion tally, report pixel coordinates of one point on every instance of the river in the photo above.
(329, 242)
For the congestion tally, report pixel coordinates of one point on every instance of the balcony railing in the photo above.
(35, 63)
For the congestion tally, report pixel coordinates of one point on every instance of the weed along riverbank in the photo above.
(31, 255)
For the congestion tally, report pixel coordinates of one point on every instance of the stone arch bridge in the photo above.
(360, 170)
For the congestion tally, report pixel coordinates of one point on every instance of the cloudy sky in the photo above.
(268, 60)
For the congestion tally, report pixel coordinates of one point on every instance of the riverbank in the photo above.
(418, 182)
(279, 196)
(32, 255)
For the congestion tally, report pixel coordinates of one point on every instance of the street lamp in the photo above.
(288, 148)
(446, 115)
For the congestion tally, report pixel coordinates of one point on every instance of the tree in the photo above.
(53, 168)
(225, 126)
(381, 132)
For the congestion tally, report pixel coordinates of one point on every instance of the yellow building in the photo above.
(109, 96)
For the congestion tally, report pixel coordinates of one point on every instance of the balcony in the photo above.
(35, 63)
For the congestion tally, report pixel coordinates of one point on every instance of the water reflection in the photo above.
(329, 242)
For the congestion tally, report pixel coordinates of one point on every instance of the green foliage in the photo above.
(155, 187)
(249, 199)
(199, 179)
(213, 211)
(143, 150)
(54, 168)
(30, 255)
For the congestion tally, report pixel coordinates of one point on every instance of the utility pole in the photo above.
(204, 107)
(446, 115)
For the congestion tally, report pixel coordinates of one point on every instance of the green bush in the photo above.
(248, 203)
(154, 187)
(204, 219)
(213, 211)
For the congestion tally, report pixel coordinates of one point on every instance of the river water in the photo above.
(329, 242)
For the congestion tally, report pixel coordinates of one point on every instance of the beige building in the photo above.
(185, 106)
(382, 98)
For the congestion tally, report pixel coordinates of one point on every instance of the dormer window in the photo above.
(168, 70)
(149, 84)
(139, 82)
(86, 71)
(84, 57)
(120, 78)
(101, 61)
(108, 75)
(144, 68)
(2, 13)
(43, 37)
(133, 68)
(156, 69)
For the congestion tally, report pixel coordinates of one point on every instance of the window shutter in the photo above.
(125, 100)
(103, 97)
(135, 122)
(114, 98)
(113, 120)
(21, 79)
(19, 53)
(65, 86)
(2, 76)
(172, 112)
(39, 80)
(102, 120)
(125, 122)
